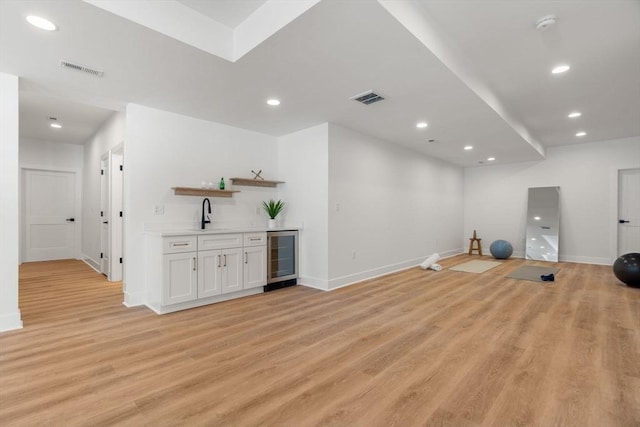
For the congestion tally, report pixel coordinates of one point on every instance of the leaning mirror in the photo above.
(543, 223)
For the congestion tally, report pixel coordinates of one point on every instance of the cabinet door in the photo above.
(255, 267)
(180, 278)
(209, 273)
(231, 270)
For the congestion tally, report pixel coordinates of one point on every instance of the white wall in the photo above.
(165, 150)
(391, 206)
(496, 197)
(110, 134)
(9, 224)
(50, 155)
(303, 163)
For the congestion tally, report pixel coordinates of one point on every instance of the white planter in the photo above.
(271, 224)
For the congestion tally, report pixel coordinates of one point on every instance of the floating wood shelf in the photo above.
(255, 182)
(187, 191)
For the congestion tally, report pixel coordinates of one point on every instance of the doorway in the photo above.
(111, 213)
(628, 211)
(50, 206)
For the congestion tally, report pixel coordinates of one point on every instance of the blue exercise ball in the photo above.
(501, 249)
(627, 269)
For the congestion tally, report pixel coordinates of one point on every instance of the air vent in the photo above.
(82, 68)
(367, 98)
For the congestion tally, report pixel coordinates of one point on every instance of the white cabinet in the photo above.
(219, 272)
(255, 266)
(209, 263)
(226, 249)
(255, 260)
(231, 270)
(197, 269)
(180, 278)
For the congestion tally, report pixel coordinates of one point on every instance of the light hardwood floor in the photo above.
(412, 348)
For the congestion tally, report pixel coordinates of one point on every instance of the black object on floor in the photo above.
(547, 277)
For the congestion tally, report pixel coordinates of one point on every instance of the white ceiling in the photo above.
(230, 13)
(477, 72)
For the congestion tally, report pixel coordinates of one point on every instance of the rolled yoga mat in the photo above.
(435, 267)
(429, 261)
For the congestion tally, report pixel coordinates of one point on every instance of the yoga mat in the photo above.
(475, 266)
(532, 273)
(429, 261)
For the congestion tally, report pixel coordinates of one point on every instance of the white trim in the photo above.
(614, 177)
(133, 299)
(205, 301)
(313, 282)
(585, 259)
(351, 279)
(91, 263)
(11, 321)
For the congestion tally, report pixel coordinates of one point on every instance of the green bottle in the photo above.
(222, 183)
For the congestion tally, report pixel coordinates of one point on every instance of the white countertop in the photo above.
(198, 232)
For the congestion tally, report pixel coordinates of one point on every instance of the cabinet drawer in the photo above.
(255, 239)
(177, 244)
(219, 241)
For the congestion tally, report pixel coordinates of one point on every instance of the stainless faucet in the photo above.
(204, 221)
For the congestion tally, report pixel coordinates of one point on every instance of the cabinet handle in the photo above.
(218, 261)
(180, 244)
(254, 239)
(194, 263)
(246, 258)
(225, 260)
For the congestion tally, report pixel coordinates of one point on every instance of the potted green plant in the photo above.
(273, 208)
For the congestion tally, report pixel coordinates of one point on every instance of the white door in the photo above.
(628, 211)
(116, 223)
(104, 215)
(50, 207)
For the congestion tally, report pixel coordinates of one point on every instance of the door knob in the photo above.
(622, 221)
(70, 219)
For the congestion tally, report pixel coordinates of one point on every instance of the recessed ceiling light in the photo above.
(537, 218)
(468, 147)
(533, 238)
(55, 126)
(581, 134)
(273, 102)
(574, 114)
(42, 23)
(422, 125)
(560, 69)
(491, 159)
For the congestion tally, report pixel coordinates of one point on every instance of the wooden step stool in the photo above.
(473, 240)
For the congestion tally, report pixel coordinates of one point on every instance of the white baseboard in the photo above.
(91, 263)
(313, 282)
(578, 259)
(10, 321)
(585, 259)
(134, 299)
(352, 279)
(206, 301)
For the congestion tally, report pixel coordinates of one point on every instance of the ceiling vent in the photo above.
(367, 98)
(82, 68)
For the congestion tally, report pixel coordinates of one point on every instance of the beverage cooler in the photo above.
(282, 259)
